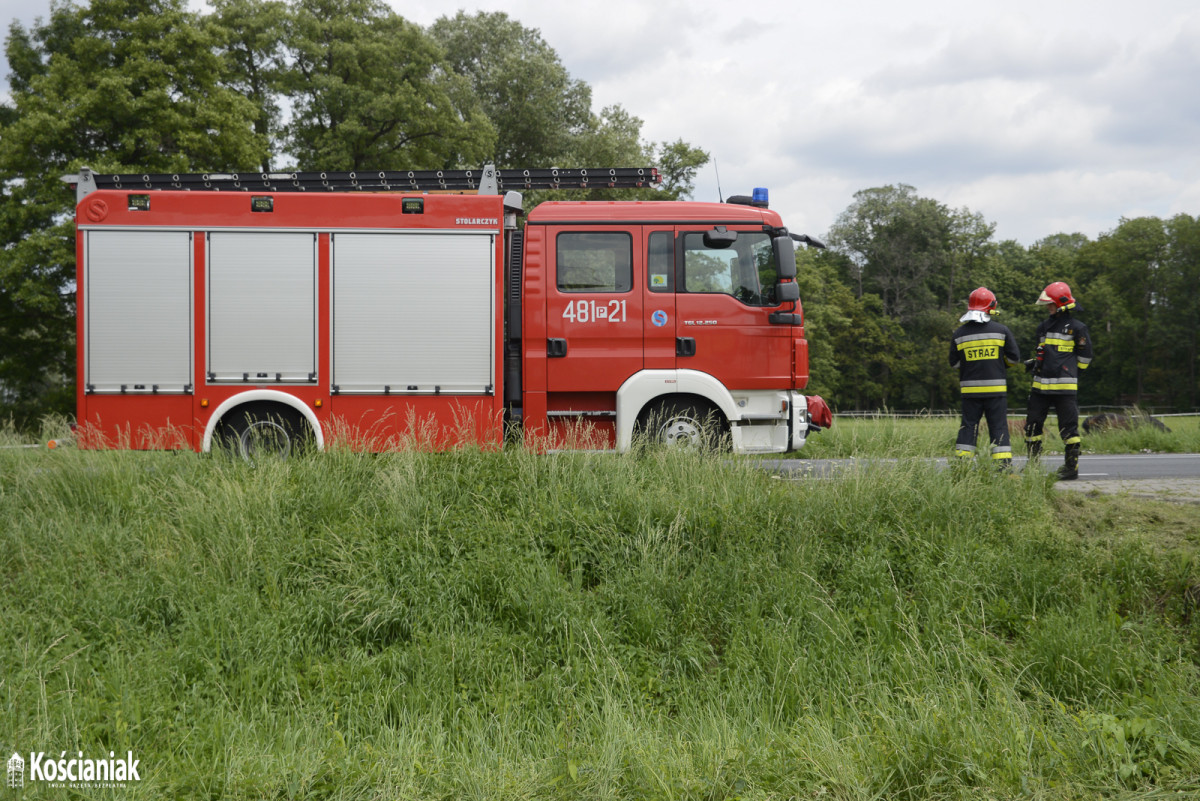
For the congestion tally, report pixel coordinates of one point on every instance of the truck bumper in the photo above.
(771, 422)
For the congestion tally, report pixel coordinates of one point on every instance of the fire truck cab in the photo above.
(332, 307)
(659, 315)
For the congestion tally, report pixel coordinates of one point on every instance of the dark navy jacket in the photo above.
(981, 352)
(1066, 349)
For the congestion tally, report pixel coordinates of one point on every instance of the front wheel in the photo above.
(689, 425)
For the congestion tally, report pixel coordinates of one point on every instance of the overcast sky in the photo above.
(1046, 117)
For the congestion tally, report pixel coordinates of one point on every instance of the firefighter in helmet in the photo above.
(1064, 348)
(982, 350)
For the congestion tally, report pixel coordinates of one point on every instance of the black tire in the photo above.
(690, 424)
(264, 430)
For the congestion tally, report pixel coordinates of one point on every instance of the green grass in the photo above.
(507, 625)
(885, 436)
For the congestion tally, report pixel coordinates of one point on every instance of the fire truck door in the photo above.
(724, 295)
(659, 289)
(594, 308)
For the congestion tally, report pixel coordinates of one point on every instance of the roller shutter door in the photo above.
(413, 312)
(262, 321)
(138, 311)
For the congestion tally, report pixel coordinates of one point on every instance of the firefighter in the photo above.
(1063, 350)
(982, 350)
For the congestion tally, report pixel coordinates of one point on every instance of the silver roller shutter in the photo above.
(413, 312)
(262, 307)
(138, 311)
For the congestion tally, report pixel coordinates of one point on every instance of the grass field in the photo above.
(510, 626)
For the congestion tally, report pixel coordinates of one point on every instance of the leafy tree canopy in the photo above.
(370, 90)
(536, 107)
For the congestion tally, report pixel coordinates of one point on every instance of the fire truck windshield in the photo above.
(744, 269)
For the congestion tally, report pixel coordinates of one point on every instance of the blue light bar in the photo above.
(760, 196)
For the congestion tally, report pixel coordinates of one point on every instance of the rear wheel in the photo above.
(684, 424)
(258, 431)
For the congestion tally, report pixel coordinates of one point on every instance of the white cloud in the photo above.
(1006, 51)
(1068, 201)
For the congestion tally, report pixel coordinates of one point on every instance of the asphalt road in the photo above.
(1100, 467)
(1092, 467)
(1161, 476)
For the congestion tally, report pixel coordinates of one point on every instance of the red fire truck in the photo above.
(409, 308)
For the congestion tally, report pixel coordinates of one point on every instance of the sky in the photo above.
(1056, 116)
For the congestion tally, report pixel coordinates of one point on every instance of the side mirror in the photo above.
(785, 293)
(812, 242)
(719, 238)
(785, 256)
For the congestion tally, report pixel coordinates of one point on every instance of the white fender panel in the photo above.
(643, 387)
(262, 395)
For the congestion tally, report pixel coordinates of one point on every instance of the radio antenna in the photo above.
(720, 197)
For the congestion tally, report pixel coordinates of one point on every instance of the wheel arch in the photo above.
(261, 396)
(648, 386)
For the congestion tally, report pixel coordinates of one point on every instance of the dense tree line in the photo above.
(151, 86)
(883, 300)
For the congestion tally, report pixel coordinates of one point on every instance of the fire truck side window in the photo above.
(595, 262)
(660, 262)
(745, 269)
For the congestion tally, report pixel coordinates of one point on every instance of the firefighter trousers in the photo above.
(1065, 405)
(996, 411)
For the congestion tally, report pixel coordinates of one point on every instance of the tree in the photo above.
(678, 163)
(134, 80)
(970, 244)
(1181, 303)
(249, 36)
(614, 137)
(899, 245)
(1124, 271)
(854, 349)
(543, 116)
(536, 107)
(120, 85)
(370, 90)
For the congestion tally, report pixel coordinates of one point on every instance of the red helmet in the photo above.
(1057, 295)
(982, 300)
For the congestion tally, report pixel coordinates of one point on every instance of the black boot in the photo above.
(1033, 448)
(1070, 469)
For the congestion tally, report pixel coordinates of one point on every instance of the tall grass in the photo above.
(507, 625)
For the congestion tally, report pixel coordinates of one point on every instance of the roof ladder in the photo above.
(487, 181)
